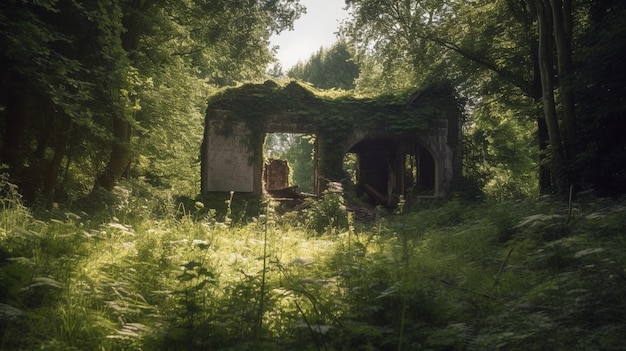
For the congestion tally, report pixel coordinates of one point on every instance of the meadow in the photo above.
(139, 270)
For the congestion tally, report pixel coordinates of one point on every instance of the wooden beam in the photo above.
(376, 193)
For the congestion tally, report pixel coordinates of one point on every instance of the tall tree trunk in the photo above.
(562, 24)
(545, 176)
(543, 139)
(60, 149)
(546, 69)
(120, 157)
(15, 117)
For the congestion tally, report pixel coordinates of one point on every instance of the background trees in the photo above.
(88, 87)
(94, 91)
(328, 68)
(600, 98)
(299, 151)
(509, 57)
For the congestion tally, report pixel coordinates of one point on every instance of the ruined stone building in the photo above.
(403, 145)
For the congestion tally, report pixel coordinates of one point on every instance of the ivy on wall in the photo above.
(335, 114)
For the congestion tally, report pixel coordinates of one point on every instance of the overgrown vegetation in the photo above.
(335, 115)
(542, 68)
(95, 91)
(104, 246)
(516, 275)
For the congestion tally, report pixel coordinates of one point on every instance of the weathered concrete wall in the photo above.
(228, 160)
(435, 142)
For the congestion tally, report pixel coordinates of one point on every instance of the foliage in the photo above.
(98, 91)
(499, 152)
(252, 103)
(515, 275)
(482, 48)
(601, 101)
(328, 214)
(544, 62)
(298, 150)
(331, 68)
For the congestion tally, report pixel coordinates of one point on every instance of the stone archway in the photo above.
(388, 134)
(388, 167)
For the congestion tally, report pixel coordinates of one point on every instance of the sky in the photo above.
(314, 29)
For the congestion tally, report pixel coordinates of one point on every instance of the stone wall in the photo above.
(227, 160)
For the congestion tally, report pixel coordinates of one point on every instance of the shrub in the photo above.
(327, 214)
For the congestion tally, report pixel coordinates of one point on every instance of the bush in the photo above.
(327, 214)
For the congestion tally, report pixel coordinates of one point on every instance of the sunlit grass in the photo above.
(459, 276)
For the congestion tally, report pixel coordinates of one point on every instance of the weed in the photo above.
(328, 214)
(511, 275)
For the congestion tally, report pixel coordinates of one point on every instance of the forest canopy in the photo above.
(103, 90)
(543, 80)
(88, 87)
(105, 243)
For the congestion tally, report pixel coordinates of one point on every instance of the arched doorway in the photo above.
(386, 168)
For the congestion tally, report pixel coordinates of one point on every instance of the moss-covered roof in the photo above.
(332, 110)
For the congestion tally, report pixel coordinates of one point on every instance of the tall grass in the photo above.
(135, 275)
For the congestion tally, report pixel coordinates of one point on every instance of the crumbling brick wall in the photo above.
(276, 175)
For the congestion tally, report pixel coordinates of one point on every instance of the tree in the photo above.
(231, 36)
(86, 87)
(486, 46)
(554, 20)
(58, 65)
(391, 34)
(276, 71)
(600, 99)
(328, 68)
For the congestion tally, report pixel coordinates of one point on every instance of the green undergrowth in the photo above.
(517, 275)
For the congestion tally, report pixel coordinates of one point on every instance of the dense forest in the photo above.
(96, 92)
(106, 243)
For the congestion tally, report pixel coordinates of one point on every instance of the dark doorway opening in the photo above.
(383, 169)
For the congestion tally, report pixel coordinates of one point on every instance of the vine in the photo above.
(336, 114)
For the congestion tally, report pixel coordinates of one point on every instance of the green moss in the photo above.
(335, 114)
